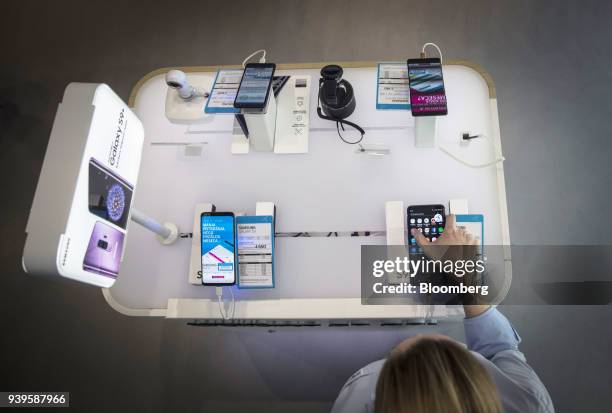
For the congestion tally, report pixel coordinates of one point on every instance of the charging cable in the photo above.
(224, 315)
(423, 54)
(262, 59)
(470, 164)
(466, 138)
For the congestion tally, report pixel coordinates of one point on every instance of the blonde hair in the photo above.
(435, 374)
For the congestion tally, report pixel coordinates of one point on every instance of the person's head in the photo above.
(431, 374)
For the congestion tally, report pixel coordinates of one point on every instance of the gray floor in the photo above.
(551, 64)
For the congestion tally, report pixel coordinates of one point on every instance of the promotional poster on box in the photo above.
(92, 247)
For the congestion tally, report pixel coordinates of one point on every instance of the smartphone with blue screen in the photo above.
(255, 84)
(218, 248)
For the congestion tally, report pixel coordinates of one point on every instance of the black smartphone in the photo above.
(430, 220)
(255, 86)
(426, 83)
(218, 248)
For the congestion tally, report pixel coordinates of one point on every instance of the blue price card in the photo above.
(392, 89)
(255, 251)
(474, 225)
(223, 93)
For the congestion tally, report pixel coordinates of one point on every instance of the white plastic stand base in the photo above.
(265, 208)
(458, 206)
(262, 126)
(293, 116)
(183, 111)
(394, 218)
(425, 128)
(195, 262)
(240, 143)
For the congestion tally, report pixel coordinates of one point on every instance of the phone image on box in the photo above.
(426, 84)
(110, 195)
(218, 248)
(103, 255)
(430, 220)
(255, 86)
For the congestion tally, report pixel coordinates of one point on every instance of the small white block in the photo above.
(458, 206)
(394, 217)
(264, 208)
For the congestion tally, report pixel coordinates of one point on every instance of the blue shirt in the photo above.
(494, 342)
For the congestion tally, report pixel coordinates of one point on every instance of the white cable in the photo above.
(467, 163)
(219, 292)
(434, 45)
(224, 315)
(262, 59)
(429, 314)
(233, 307)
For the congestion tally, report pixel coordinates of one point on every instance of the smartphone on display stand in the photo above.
(255, 84)
(430, 220)
(218, 248)
(426, 83)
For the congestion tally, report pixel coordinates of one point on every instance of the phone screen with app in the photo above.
(218, 232)
(255, 86)
(430, 220)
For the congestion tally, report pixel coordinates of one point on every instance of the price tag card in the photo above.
(224, 92)
(474, 225)
(392, 91)
(255, 251)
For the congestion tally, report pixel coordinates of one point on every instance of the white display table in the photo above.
(329, 189)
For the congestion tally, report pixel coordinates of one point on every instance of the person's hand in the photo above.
(454, 244)
(452, 236)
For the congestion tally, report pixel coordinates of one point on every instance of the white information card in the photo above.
(255, 251)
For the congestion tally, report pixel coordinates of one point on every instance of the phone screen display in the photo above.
(430, 220)
(110, 195)
(218, 249)
(427, 95)
(254, 86)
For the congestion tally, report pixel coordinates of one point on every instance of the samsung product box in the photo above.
(81, 211)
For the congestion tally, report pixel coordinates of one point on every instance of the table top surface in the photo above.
(331, 188)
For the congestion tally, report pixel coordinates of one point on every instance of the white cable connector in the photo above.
(467, 163)
(423, 54)
(262, 59)
(225, 316)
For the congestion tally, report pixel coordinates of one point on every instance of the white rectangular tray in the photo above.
(329, 189)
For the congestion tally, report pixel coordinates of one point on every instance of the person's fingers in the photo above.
(450, 221)
(420, 238)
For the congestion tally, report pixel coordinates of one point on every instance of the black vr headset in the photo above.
(336, 99)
